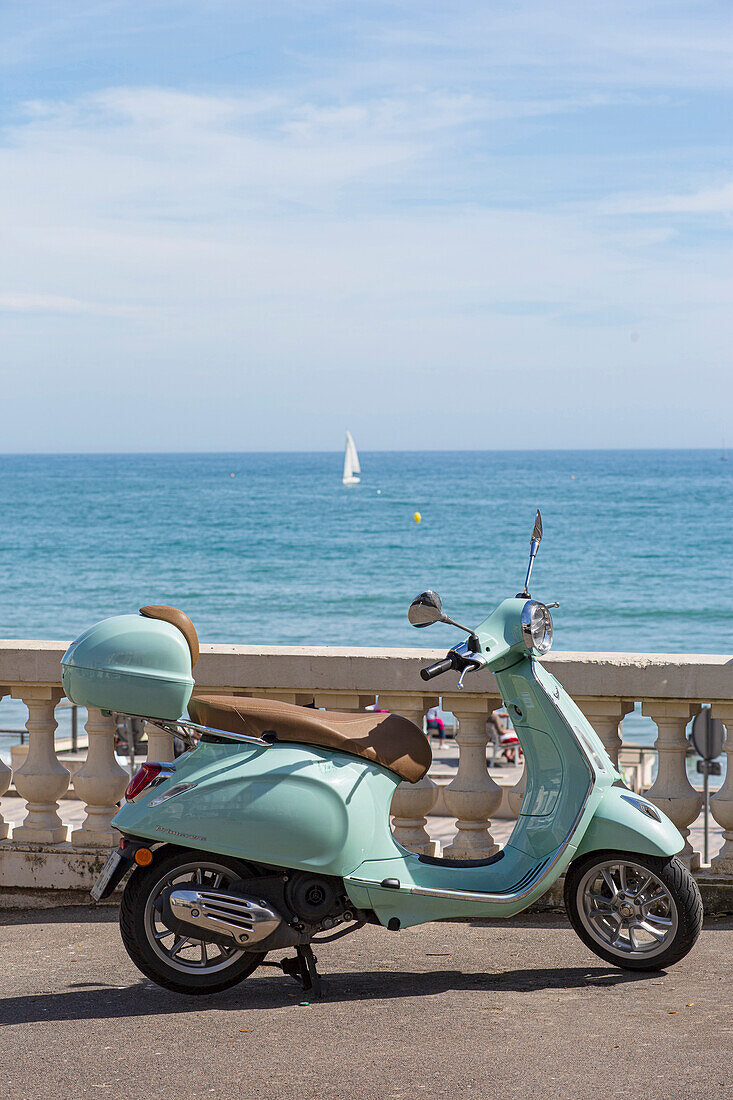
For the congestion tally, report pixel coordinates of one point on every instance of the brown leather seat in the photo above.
(179, 619)
(386, 739)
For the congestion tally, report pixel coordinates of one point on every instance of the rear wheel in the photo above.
(637, 912)
(182, 964)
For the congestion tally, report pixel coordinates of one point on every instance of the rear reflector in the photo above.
(142, 778)
(143, 857)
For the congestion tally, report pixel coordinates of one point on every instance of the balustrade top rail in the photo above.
(705, 678)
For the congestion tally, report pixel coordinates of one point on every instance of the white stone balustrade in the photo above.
(160, 743)
(412, 802)
(100, 783)
(473, 796)
(606, 716)
(672, 791)
(516, 794)
(670, 688)
(41, 780)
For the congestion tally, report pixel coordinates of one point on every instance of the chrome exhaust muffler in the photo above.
(220, 917)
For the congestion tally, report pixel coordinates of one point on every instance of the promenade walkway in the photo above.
(520, 1010)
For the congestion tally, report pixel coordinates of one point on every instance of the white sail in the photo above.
(351, 462)
(355, 467)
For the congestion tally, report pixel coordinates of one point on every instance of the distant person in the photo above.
(435, 724)
(504, 736)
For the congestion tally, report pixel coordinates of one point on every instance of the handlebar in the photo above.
(438, 668)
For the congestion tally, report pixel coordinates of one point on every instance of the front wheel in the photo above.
(637, 912)
(185, 965)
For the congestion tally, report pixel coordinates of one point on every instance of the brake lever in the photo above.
(477, 661)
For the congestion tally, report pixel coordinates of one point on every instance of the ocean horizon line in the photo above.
(372, 451)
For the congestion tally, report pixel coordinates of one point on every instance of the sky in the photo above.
(229, 226)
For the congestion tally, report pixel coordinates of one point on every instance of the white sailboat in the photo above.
(351, 462)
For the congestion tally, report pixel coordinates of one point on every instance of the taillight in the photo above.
(144, 777)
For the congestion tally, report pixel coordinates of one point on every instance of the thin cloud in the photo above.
(12, 302)
(707, 200)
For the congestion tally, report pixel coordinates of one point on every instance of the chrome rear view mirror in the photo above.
(426, 609)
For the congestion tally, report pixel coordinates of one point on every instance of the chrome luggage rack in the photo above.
(192, 732)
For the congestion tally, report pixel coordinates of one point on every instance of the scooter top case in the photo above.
(134, 664)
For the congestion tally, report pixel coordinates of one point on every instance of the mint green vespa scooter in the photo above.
(274, 833)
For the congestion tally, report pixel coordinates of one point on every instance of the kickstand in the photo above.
(311, 977)
(303, 968)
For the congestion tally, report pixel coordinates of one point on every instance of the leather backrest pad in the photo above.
(179, 619)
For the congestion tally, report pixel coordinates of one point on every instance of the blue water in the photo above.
(636, 547)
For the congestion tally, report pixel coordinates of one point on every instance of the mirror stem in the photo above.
(473, 640)
(533, 548)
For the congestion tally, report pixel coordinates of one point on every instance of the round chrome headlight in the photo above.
(537, 626)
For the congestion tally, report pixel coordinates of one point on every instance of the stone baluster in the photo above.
(721, 804)
(672, 791)
(412, 802)
(5, 777)
(473, 796)
(606, 716)
(276, 696)
(160, 743)
(515, 797)
(304, 699)
(337, 700)
(100, 783)
(41, 780)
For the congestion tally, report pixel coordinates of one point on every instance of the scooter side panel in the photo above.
(618, 825)
(288, 805)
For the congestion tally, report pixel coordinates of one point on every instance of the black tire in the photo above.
(674, 921)
(138, 928)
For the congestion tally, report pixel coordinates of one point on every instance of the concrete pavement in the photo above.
(517, 1009)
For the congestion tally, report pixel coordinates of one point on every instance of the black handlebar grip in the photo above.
(437, 669)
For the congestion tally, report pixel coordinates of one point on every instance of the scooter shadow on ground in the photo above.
(82, 1002)
(70, 914)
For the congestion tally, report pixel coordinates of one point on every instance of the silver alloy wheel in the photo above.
(187, 955)
(627, 909)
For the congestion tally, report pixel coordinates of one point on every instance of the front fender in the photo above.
(618, 825)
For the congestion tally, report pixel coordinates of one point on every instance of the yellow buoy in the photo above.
(417, 517)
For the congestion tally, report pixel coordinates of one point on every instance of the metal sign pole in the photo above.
(708, 737)
(706, 787)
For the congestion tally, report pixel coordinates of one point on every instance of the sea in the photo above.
(272, 549)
